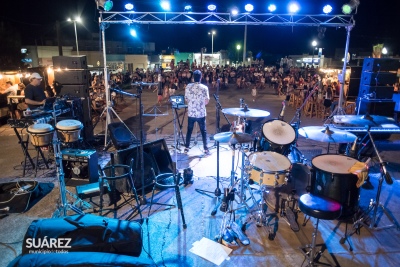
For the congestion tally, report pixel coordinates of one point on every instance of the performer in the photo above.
(197, 97)
(34, 94)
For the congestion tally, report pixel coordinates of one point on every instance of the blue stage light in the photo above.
(249, 7)
(235, 11)
(272, 8)
(165, 5)
(188, 8)
(133, 32)
(129, 6)
(212, 7)
(327, 9)
(293, 7)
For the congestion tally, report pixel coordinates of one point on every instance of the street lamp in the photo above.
(238, 48)
(77, 19)
(212, 41)
(314, 44)
(384, 51)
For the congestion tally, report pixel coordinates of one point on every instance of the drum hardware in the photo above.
(289, 211)
(155, 112)
(41, 135)
(278, 136)
(246, 112)
(364, 120)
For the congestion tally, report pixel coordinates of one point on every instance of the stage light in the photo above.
(249, 7)
(129, 6)
(133, 32)
(327, 9)
(384, 51)
(293, 7)
(212, 8)
(235, 11)
(346, 9)
(108, 5)
(272, 8)
(165, 5)
(188, 8)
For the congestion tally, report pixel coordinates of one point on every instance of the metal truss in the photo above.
(211, 18)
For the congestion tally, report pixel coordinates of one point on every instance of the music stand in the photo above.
(155, 112)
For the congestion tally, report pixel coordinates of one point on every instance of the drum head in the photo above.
(334, 163)
(269, 161)
(278, 132)
(40, 128)
(69, 125)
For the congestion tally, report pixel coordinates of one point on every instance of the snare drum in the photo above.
(331, 178)
(269, 168)
(69, 131)
(41, 134)
(278, 136)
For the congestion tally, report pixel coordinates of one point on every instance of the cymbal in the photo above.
(233, 138)
(246, 112)
(324, 134)
(372, 120)
(145, 84)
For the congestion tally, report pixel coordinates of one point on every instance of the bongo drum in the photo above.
(69, 131)
(41, 134)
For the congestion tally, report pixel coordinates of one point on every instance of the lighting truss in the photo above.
(215, 18)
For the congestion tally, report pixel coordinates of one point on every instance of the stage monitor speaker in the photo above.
(120, 135)
(381, 64)
(86, 119)
(375, 107)
(378, 78)
(378, 92)
(75, 90)
(70, 62)
(355, 72)
(156, 156)
(79, 77)
(354, 86)
(80, 164)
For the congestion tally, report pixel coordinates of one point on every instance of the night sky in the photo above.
(375, 23)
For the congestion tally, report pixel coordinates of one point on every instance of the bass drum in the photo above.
(332, 179)
(277, 136)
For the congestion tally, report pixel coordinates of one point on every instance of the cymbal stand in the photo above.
(155, 112)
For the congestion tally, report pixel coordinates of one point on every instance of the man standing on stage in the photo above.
(34, 93)
(197, 98)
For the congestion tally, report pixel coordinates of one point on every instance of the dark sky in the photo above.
(376, 22)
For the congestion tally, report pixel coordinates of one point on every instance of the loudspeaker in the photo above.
(355, 72)
(86, 119)
(380, 92)
(354, 86)
(75, 90)
(375, 107)
(80, 164)
(79, 77)
(378, 78)
(120, 135)
(70, 62)
(381, 64)
(156, 156)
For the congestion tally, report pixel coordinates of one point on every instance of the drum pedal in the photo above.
(239, 234)
(291, 218)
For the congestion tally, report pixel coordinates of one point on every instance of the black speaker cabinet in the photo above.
(75, 91)
(381, 64)
(80, 164)
(79, 77)
(354, 86)
(355, 72)
(70, 62)
(120, 135)
(375, 107)
(156, 157)
(379, 92)
(86, 119)
(378, 78)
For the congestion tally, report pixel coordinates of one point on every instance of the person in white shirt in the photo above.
(12, 90)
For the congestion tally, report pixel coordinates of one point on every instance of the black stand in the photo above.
(180, 124)
(24, 145)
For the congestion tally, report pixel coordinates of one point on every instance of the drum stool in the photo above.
(320, 208)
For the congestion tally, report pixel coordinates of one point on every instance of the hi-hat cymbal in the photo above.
(324, 134)
(372, 120)
(246, 112)
(233, 138)
(143, 84)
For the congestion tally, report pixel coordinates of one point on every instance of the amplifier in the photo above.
(81, 164)
(70, 62)
(381, 64)
(75, 90)
(81, 77)
(378, 78)
(380, 92)
(375, 107)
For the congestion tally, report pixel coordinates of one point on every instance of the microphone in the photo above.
(282, 110)
(353, 148)
(388, 178)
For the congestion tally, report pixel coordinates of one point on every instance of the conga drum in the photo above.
(41, 134)
(69, 131)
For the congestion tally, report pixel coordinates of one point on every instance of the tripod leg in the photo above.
(179, 200)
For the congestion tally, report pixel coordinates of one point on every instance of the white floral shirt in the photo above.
(196, 95)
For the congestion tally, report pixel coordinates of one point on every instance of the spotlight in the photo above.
(129, 6)
(133, 32)
(234, 12)
(188, 8)
(249, 7)
(212, 7)
(107, 5)
(165, 5)
(346, 9)
(327, 9)
(272, 8)
(293, 7)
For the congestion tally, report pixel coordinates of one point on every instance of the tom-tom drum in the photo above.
(278, 136)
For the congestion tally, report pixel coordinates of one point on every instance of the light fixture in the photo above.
(108, 5)
(249, 7)
(188, 8)
(293, 7)
(212, 8)
(129, 6)
(77, 19)
(133, 32)
(271, 8)
(384, 51)
(235, 11)
(346, 9)
(165, 5)
(327, 9)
